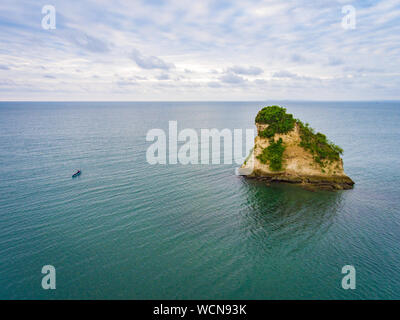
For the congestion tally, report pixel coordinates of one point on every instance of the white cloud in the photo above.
(284, 74)
(251, 71)
(150, 62)
(232, 79)
(211, 49)
(163, 76)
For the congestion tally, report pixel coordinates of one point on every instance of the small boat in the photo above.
(78, 173)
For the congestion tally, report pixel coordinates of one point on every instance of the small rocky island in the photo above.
(287, 150)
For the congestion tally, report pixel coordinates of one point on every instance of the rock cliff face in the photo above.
(297, 156)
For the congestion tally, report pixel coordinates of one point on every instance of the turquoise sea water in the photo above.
(127, 229)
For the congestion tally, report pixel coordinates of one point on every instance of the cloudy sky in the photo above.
(200, 50)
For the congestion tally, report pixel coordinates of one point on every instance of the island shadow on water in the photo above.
(285, 218)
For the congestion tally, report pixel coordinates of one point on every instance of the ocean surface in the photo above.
(126, 229)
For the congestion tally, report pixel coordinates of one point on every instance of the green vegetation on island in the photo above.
(273, 154)
(318, 144)
(279, 121)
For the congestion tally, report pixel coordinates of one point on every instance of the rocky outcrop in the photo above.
(298, 163)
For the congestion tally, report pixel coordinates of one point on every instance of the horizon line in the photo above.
(285, 100)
